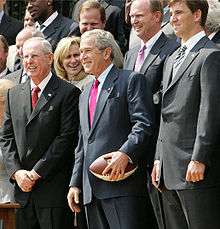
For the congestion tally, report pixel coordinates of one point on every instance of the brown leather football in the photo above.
(97, 167)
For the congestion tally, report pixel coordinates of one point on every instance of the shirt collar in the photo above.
(211, 35)
(1, 15)
(50, 19)
(103, 76)
(43, 83)
(149, 44)
(190, 43)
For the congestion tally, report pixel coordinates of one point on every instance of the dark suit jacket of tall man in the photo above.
(59, 28)
(42, 139)
(190, 122)
(122, 121)
(216, 39)
(152, 68)
(10, 27)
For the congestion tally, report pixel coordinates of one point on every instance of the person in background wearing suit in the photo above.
(212, 26)
(3, 57)
(187, 161)
(9, 26)
(20, 76)
(6, 188)
(100, 15)
(148, 58)
(39, 134)
(115, 121)
(52, 24)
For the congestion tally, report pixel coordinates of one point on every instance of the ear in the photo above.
(197, 15)
(50, 59)
(157, 16)
(107, 53)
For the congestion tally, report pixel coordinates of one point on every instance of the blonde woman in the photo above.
(67, 62)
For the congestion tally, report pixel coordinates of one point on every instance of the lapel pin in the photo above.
(109, 89)
(49, 95)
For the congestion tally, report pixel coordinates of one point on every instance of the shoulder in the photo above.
(65, 20)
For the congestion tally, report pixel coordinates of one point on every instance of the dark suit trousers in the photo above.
(33, 217)
(119, 213)
(192, 209)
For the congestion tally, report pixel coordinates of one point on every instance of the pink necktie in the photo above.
(140, 59)
(34, 96)
(92, 101)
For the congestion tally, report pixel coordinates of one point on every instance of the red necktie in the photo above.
(34, 96)
(92, 101)
(140, 59)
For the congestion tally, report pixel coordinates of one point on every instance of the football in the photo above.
(97, 167)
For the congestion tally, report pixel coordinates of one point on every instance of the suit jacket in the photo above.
(42, 139)
(216, 39)
(122, 121)
(58, 29)
(9, 27)
(190, 121)
(152, 68)
(14, 76)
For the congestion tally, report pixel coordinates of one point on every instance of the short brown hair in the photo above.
(5, 43)
(156, 5)
(195, 5)
(92, 4)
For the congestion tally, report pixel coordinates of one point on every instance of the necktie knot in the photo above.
(96, 84)
(34, 96)
(181, 52)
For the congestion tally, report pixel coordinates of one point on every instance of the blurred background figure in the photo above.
(6, 188)
(28, 19)
(9, 26)
(212, 27)
(3, 56)
(52, 24)
(110, 18)
(67, 62)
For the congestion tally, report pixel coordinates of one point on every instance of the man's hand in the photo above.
(73, 199)
(117, 165)
(155, 173)
(23, 180)
(195, 171)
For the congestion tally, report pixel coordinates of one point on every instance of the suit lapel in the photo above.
(26, 100)
(52, 28)
(188, 61)
(4, 23)
(154, 52)
(104, 93)
(48, 93)
(132, 57)
(85, 106)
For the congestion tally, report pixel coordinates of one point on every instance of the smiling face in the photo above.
(144, 22)
(37, 63)
(71, 61)
(90, 19)
(94, 61)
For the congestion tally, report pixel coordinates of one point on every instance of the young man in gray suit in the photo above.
(146, 18)
(119, 127)
(38, 138)
(187, 156)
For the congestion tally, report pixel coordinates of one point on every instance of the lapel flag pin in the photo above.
(49, 94)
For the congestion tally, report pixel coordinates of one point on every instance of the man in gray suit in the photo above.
(187, 156)
(38, 138)
(119, 128)
(146, 18)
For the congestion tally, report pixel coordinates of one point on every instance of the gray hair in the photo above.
(46, 46)
(213, 17)
(103, 40)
